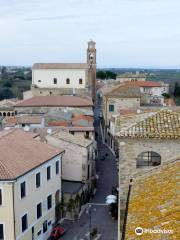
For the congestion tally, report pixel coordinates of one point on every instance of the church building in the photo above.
(66, 78)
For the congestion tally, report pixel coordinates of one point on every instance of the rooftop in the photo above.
(60, 66)
(154, 202)
(56, 101)
(20, 153)
(144, 84)
(124, 91)
(75, 139)
(24, 119)
(164, 124)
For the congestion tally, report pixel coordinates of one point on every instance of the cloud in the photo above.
(127, 32)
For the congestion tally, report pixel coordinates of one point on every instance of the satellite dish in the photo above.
(26, 128)
(49, 130)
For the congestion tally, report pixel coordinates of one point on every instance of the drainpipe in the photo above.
(126, 212)
(14, 214)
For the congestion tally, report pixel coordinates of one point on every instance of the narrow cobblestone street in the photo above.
(100, 217)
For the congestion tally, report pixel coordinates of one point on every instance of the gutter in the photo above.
(14, 215)
(126, 211)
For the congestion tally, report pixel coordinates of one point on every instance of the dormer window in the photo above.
(80, 81)
(67, 81)
(55, 80)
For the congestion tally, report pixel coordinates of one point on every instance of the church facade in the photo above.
(66, 78)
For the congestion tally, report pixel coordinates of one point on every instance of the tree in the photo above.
(177, 90)
(101, 75)
(3, 72)
(166, 95)
(6, 93)
(106, 75)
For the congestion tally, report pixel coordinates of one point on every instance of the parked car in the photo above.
(57, 232)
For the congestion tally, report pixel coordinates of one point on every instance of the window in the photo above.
(111, 108)
(57, 167)
(39, 233)
(67, 81)
(49, 202)
(39, 210)
(45, 226)
(39, 80)
(38, 180)
(1, 198)
(148, 159)
(1, 232)
(24, 223)
(55, 80)
(80, 81)
(87, 135)
(48, 173)
(23, 189)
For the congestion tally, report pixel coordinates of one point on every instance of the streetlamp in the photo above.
(89, 211)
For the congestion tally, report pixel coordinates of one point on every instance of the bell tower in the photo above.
(91, 61)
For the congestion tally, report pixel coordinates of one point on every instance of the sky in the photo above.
(128, 33)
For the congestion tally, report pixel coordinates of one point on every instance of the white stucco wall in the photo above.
(34, 196)
(6, 210)
(155, 91)
(47, 75)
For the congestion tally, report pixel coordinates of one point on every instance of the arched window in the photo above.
(148, 159)
(55, 80)
(8, 114)
(80, 81)
(4, 114)
(67, 81)
(0, 113)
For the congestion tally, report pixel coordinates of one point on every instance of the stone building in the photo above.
(121, 96)
(7, 107)
(145, 141)
(131, 77)
(65, 78)
(153, 203)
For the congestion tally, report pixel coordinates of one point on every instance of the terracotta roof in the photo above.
(161, 124)
(154, 202)
(56, 124)
(56, 101)
(144, 84)
(75, 139)
(124, 91)
(20, 153)
(83, 117)
(60, 66)
(26, 119)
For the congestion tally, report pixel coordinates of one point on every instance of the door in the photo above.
(1, 231)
